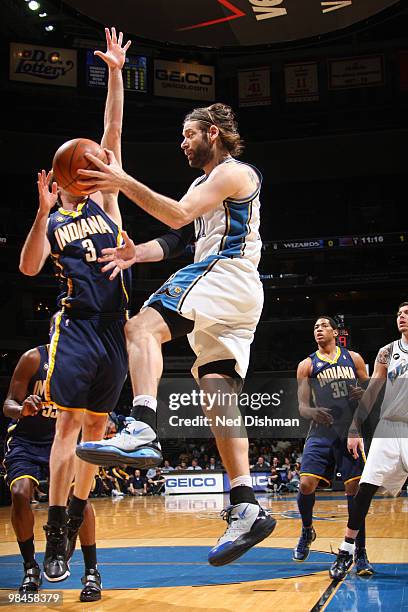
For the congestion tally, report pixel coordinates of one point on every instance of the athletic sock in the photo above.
(145, 414)
(57, 515)
(305, 505)
(76, 506)
(89, 553)
(348, 545)
(27, 551)
(241, 495)
(145, 400)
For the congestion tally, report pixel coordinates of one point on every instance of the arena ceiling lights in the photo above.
(230, 23)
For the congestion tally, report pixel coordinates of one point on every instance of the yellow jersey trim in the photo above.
(351, 479)
(327, 359)
(315, 476)
(118, 242)
(24, 476)
(70, 409)
(52, 353)
(73, 213)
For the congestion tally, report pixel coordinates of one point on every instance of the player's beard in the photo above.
(202, 155)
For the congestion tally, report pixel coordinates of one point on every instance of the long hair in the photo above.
(222, 116)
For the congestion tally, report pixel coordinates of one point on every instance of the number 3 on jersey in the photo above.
(91, 251)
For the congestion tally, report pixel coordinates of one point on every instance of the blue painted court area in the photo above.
(167, 566)
(387, 589)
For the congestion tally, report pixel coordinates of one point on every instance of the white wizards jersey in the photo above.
(232, 228)
(395, 403)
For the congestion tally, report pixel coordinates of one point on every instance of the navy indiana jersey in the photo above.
(331, 380)
(77, 239)
(39, 429)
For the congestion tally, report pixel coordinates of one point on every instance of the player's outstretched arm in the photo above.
(224, 181)
(120, 258)
(171, 244)
(114, 57)
(37, 247)
(17, 404)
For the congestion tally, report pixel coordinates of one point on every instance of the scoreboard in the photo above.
(134, 72)
(339, 242)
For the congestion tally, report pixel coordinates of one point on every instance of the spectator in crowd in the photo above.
(275, 462)
(205, 460)
(150, 473)
(286, 463)
(261, 465)
(167, 467)
(99, 488)
(274, 481)
(182, 466)
(137, 484)
(112, 482)
(157, 483)
(183, 458)
(294, 478)
(213, 464)
(122, 478)
(194, 465)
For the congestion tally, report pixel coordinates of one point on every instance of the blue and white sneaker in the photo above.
(136, 445)
(248, 524)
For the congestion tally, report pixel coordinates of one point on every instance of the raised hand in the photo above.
(119, 258)
(115, 54)
(47, 198)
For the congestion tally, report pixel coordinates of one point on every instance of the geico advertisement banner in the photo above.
(180, 80)
(194, 482)
(259, 481)
(43, 65)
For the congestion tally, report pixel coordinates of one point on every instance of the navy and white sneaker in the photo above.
(248, 524)
(302, 548)
(341, 565)
(136, 445)
(361, 563)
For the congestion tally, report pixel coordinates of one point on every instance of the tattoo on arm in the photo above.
(384, 355)
(253, 177)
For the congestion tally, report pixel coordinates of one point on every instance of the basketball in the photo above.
(70, 157)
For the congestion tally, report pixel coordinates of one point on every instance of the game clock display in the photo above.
(134, 72)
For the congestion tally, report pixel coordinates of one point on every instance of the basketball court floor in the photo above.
(153, 557)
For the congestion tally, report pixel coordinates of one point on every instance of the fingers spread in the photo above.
(108, 266)
(114, 273)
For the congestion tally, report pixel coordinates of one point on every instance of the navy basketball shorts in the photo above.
(24, 459)
(321, 455)
(88, 363)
